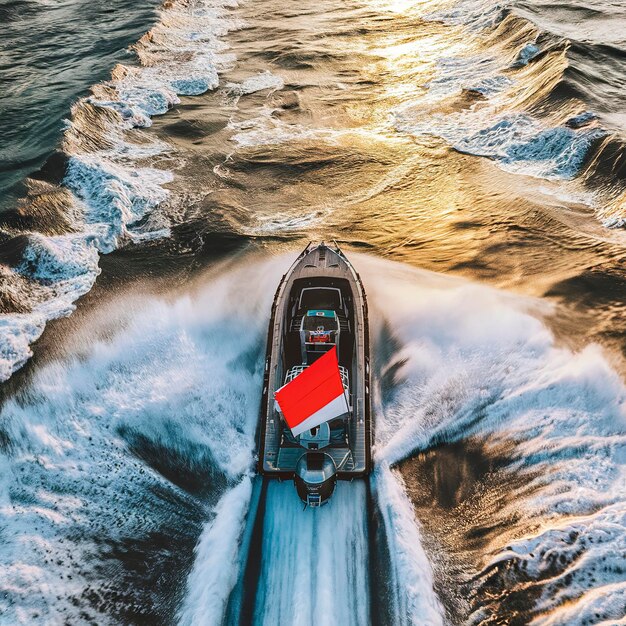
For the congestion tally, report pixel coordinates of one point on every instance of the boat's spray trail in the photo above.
(91, 436)
(118, 453)
(460, 361)
(217, 556)
(315, 561)
(413, 601)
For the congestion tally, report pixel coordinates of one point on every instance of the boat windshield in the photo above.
(320, 298)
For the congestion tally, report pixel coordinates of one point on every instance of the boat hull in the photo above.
(325, 270)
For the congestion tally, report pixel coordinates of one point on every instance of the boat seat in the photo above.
(344, 323)
(296, 321)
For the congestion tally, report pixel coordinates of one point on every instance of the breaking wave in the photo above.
(111, 465)
(513, 94)
(468, 362)
(114, 192)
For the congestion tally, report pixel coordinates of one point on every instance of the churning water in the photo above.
(469, 157)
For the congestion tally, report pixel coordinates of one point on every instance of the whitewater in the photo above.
(79, 418)
(469, 157)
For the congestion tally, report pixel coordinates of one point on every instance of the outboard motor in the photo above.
(315, 478)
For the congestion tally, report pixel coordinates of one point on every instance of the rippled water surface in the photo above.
(467, 155)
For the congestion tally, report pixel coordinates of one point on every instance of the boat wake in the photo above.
(467, 364)
(114, 457)
(411, 599)
(110, 461)
(218, 563)
(112, 176)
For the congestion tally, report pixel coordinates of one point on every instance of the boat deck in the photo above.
(278, 460)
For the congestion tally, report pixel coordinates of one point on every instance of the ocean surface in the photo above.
(161, 165)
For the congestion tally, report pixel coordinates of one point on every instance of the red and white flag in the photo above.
(315, 396)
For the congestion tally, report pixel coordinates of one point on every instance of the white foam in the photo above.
(67, 261)
(603, 606)
(474, 361)
(216, 565)
(114, 196)
(315, 561)
(17, 332)
(592, 582)
(64, 268)
(413, 600)
(466, 360)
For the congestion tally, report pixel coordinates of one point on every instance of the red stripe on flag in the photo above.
(312, 390)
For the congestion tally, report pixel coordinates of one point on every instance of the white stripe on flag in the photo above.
(335, 408)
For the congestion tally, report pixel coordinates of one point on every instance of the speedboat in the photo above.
(315, 410)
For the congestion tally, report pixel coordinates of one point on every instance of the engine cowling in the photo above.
(315, 478)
